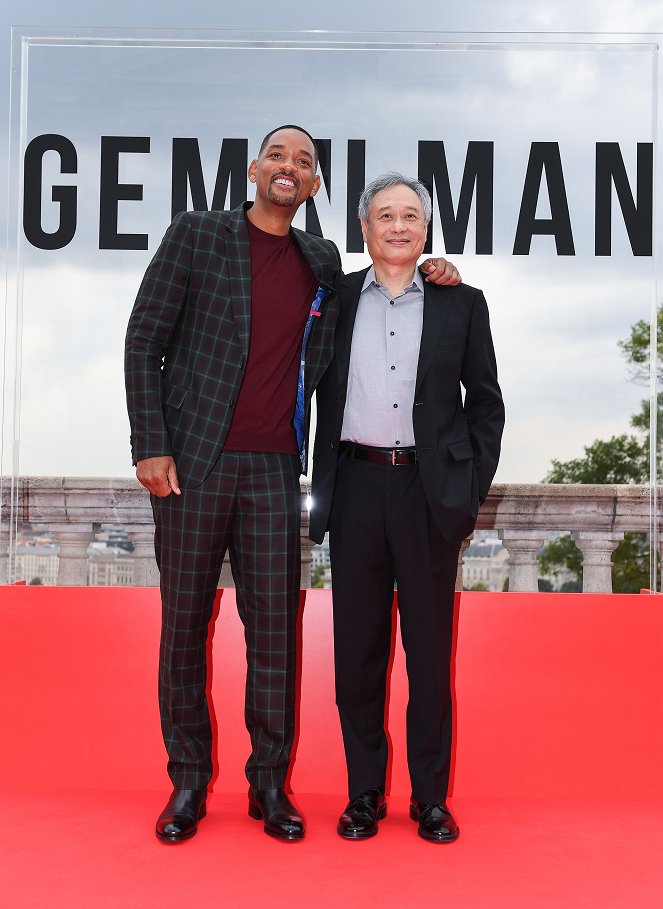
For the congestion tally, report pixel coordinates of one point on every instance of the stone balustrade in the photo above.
(597, 517)
(73, 508)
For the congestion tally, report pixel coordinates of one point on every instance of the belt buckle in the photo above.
(393, 457)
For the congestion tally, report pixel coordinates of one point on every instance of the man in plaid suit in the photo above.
(229, 308)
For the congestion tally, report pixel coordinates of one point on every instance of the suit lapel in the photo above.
(310, 248)
(349, 290)
(436, 314)
(239, 270)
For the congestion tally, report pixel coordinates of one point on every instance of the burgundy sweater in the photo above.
(282, 288)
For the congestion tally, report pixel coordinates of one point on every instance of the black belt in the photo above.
(397, 457)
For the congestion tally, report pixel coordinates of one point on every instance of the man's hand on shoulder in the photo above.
(440, 271)
(159, 475)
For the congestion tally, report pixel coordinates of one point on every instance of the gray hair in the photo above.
(386, 181)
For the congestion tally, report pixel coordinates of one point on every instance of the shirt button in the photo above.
(391, 302)
(395, 405)
(391, 333)
(393, 367)
(398, 442)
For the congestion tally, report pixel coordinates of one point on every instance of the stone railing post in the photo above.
(523, 546)
(226, 579)
(597, 550)
(306, 546)
(306, 543)
(4, 555)
(146, 573)
(73, 540)
(459, 571)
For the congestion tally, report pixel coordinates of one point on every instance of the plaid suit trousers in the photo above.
(250, 505)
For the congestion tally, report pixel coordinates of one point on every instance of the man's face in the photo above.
(395, 231)
(284, 172)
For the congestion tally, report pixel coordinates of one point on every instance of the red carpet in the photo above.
(558, 782)
(97, 850)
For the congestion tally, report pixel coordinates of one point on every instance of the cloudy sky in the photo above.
(556, 320)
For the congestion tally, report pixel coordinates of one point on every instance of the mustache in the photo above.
(282, 173)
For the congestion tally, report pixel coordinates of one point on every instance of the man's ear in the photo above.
(252, 170)
(315, 187)
(363, 231)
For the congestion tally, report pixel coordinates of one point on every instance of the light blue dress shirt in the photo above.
(383, 365)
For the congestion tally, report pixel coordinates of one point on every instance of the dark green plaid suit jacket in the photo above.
(188, 337)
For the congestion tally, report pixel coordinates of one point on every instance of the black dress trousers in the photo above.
(381, 534)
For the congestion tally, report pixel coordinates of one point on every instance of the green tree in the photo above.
(637, 353)
(637, 350)
(560, 554)
(620, 459)
(317, 575)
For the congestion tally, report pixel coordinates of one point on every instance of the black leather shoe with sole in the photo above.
(179, 819)
(436, 822)
(360, 819)
(282, 820)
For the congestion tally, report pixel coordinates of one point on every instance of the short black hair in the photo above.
(265, 141)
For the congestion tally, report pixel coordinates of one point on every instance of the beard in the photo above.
(281, 199)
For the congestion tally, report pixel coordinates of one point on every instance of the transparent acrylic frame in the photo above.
(26, 41)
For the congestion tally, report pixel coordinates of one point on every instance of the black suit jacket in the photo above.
(458, 442)
(188, 337)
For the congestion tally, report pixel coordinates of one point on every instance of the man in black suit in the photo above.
(400, 466)
(230, 307)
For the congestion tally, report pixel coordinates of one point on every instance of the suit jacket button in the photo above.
(231, 403)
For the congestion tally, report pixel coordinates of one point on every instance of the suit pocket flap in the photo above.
(461, 450)
(176, 395)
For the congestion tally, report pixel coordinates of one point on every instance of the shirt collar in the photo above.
(417, 279)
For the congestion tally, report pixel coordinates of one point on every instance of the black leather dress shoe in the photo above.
(281, 818)
(436, 822)
(179, 819)
(360, 819)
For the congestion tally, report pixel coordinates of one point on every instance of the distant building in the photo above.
(37, 563)
(115, 536)
(110, 563)
(109, 566)
(320, 553)
(320, 563)
(110, 560)
(561, 575)
(485, 563)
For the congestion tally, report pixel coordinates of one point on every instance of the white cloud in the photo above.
(556, 321)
